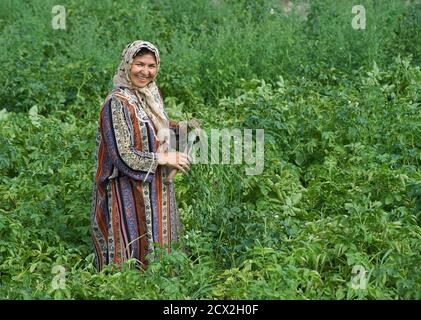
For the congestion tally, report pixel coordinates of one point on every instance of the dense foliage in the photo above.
(341, 186)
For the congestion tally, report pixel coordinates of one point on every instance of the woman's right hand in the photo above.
(178, 160)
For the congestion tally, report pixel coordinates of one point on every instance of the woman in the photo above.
(133, 200)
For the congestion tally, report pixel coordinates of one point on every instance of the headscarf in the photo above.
(154, 106)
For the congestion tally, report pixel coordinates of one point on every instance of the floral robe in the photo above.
(134, 207)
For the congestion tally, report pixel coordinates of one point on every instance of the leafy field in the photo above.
(338, 202)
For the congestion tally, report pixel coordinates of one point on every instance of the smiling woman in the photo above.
(134, 205)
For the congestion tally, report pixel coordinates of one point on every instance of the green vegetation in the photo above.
(341, 187)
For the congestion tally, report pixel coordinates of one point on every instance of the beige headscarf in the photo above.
(154, 106)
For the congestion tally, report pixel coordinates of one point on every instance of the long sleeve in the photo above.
(118, 135)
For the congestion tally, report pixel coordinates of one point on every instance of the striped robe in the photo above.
(134, 208)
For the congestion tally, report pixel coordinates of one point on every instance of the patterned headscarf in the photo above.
(154, 106)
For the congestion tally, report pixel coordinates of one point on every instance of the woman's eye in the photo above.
(142, 65)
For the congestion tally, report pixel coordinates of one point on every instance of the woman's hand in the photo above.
(178, 160)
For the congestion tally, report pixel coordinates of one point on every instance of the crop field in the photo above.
(335, 211)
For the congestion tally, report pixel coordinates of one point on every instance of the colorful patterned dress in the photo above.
(133, 205)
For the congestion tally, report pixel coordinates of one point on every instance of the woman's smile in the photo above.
(142, 78)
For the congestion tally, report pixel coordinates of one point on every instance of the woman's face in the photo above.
(143, 70)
